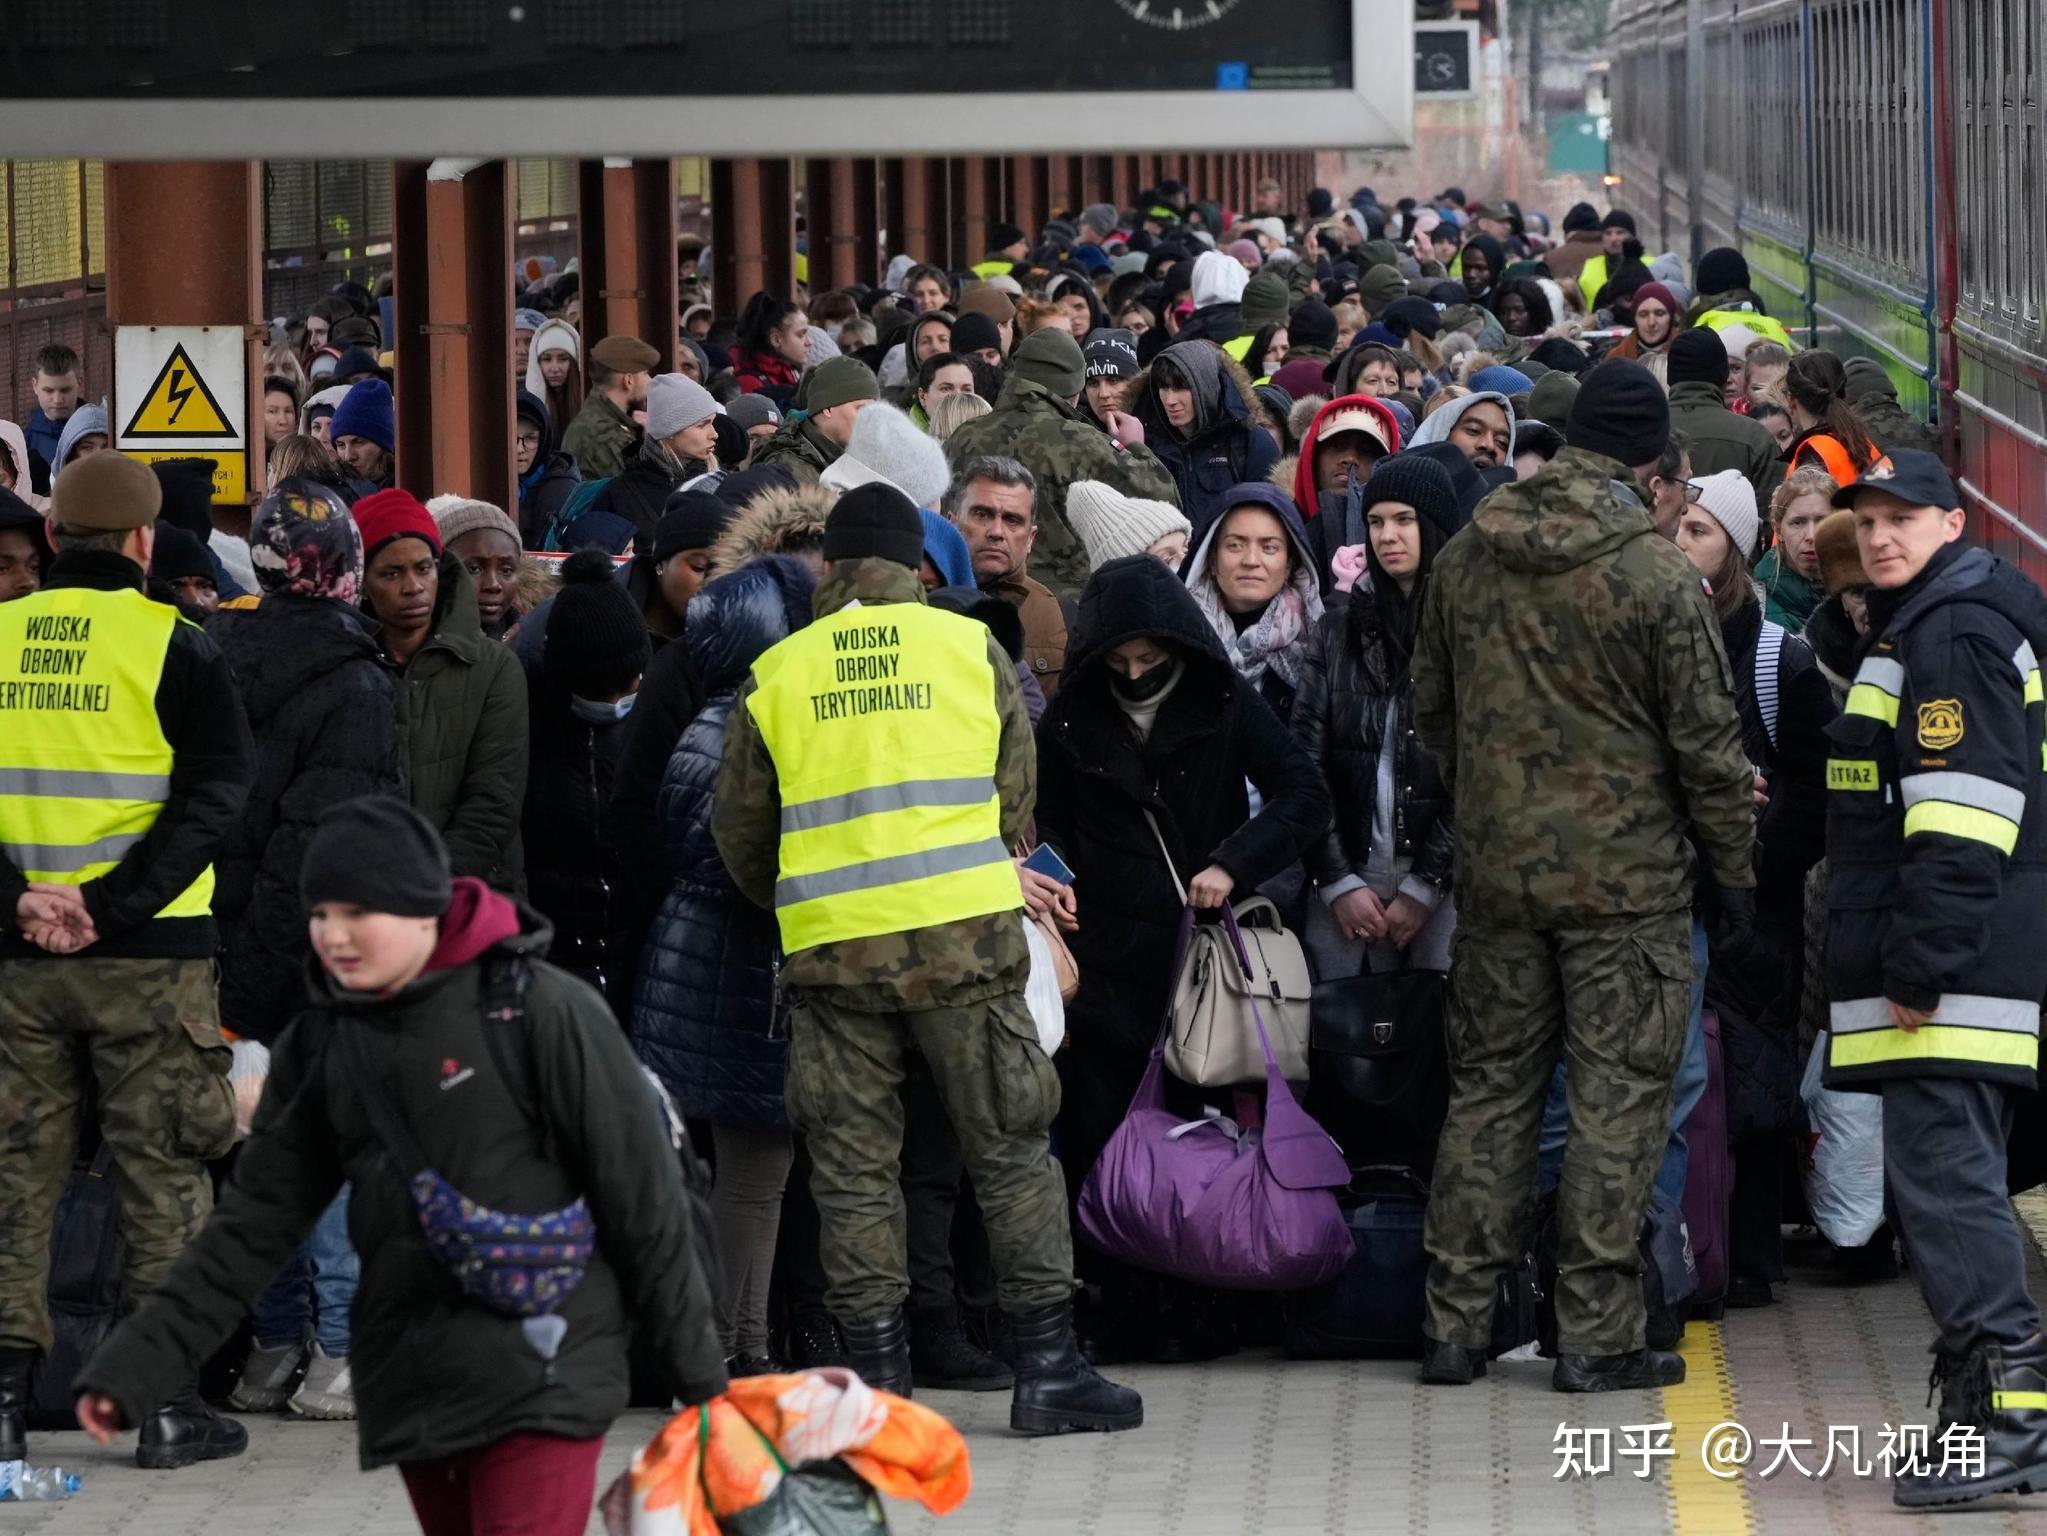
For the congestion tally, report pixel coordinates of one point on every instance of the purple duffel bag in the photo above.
(1210, 1203)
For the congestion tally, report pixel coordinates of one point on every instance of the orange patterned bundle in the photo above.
(686, 1471)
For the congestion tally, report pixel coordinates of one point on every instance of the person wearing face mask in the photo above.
(1252, 574)
(1196, 409)
(463, 707)
(593, 655)
(1383, 870)
(1153, 717)
(1481, 425)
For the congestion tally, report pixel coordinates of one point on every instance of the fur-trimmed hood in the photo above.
(537, 581)
(776, 522)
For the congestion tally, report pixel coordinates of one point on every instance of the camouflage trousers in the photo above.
(1000, 1093)
(1615, 998)
(147, 1032)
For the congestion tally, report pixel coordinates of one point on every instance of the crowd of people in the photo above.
(1498, 602)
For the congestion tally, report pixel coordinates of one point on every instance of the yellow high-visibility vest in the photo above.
(85, 767)
(995, 266)
(1761, 324)
(885, 734)
(1592, 280)
(1239, 347)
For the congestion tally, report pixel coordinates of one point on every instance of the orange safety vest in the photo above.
(1833, 455)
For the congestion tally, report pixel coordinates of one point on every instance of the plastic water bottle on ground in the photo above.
(24, 1484)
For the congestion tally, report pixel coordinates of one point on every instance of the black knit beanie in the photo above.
(379, 854)
(1699, 356)
(876, 522)
(1422, 484)
(1313, 324)
(1721, 270)
(690, 520)
(1622, 412)
(596, 642)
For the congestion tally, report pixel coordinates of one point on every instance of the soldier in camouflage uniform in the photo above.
(1570, 678)
(851, 812)
(1036, 421)
(124, 759)
(814, 437)
(1875, 401)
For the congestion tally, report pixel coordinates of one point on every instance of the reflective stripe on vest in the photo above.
(1980, 1031)
(1592, 280)
(1878, 683)
(85, 767)
(1964, 805)
(884, 732)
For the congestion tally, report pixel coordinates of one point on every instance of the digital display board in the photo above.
(422, 77)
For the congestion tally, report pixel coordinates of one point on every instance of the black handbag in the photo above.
(1378, 1067)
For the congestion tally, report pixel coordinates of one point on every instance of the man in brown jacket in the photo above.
(993, 503)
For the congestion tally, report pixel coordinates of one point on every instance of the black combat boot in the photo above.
(1450, 1365)
(184, 1429)
(1056, 1389)
(944, 1359)
(2001, 1390)
(1634, 1372)
(879, 1348)
(812, 1342)
(15, 1365)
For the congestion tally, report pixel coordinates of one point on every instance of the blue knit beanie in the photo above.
(365, 412)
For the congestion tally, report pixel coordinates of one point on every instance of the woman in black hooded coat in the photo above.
(704, 1016)
(1179, 740)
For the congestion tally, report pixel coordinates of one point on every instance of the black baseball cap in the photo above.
(1912, 475)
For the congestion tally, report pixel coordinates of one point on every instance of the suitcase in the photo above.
(1373, 1310)
(86, 1255)
(1709, 1176)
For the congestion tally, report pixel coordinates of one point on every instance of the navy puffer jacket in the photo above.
(704, 1011)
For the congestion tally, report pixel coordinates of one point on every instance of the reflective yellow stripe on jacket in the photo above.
(1989, 1031)
(885, 735)
(1879, 682)
(85, 768)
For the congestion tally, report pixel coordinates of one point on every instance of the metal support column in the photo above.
(1027, 198)
(451, 248)
(216, 278)
(915, 192)
(1123, 188)
(626, 222)
(828, 220)
(753, 230)
(977, 202)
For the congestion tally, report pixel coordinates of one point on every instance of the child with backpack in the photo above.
(517, 1205)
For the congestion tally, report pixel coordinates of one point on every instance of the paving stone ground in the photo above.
(1254, 1444)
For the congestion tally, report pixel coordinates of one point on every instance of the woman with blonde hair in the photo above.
(1790, 573)
(949, 413)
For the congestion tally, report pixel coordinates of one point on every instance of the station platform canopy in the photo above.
(399, 79)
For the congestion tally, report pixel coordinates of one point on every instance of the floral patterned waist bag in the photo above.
(513, 1263)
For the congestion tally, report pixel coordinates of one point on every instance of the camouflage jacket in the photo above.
(947, 966)
(1058, 447)
(1891, 427)
(1570, 678)
(598, 438)
(799, 448)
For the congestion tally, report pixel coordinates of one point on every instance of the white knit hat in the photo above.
(675, 401)
(886, 445)
(1731, 501)
(1112, 525)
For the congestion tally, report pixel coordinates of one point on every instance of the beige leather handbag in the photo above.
(1213, 1042)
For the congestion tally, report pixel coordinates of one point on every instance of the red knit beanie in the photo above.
(386, 515)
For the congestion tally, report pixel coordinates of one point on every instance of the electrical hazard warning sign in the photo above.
(179, 404)
(181, 392)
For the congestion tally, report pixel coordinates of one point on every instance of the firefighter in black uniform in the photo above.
(1937, 845)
